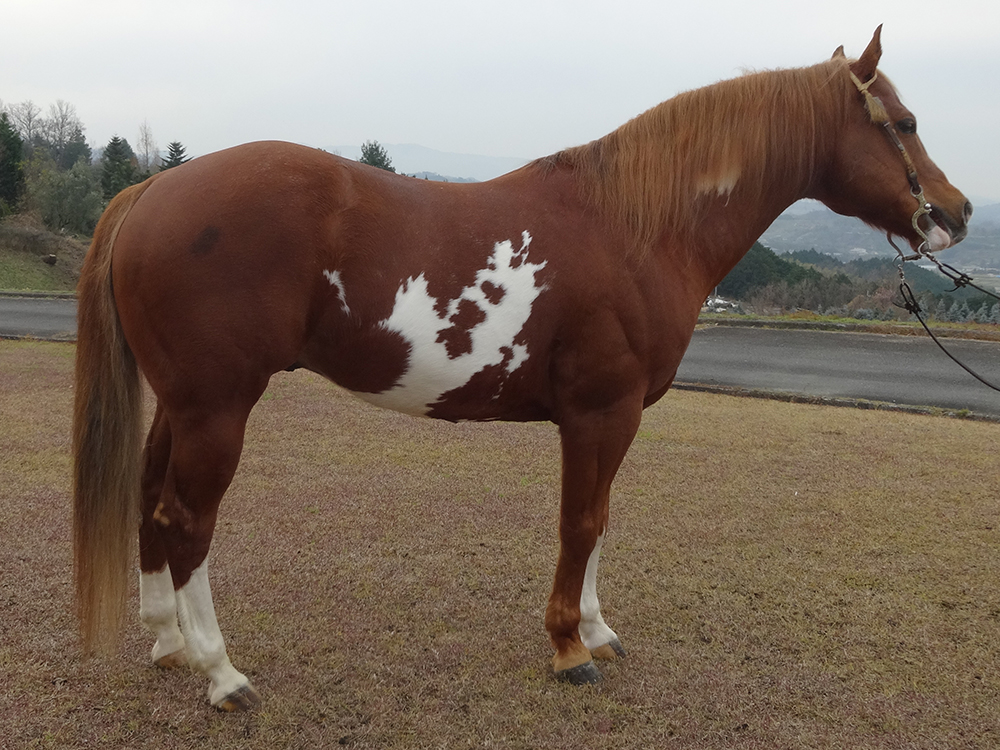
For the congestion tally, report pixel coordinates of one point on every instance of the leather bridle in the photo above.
(878, 115)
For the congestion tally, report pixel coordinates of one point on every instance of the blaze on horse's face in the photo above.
(868, 176)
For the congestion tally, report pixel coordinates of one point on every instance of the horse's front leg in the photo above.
(593, 446)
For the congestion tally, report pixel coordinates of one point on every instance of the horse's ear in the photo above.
(839, 52)
(864, 67)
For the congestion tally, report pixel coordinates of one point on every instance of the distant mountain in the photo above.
(435, 177)
(988, 214)
(413, 159)
(809, 225)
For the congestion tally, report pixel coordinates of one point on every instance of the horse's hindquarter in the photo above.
(214, 267)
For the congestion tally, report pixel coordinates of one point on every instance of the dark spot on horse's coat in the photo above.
(468, 315)
(457, 340)
(334, 353)
(205, 241)
(493, 292)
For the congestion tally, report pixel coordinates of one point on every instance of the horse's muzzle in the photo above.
(955, 228)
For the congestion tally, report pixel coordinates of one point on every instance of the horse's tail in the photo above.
(107, 433)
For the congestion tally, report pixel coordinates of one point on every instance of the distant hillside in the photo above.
(847, 238)
(810, 280)
(435, 177)
(33, 258)
(410, 158)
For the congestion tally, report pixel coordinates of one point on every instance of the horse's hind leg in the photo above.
(205, 447)
(158, 604)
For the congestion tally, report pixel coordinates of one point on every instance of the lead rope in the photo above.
(911, 305)
(878, 115)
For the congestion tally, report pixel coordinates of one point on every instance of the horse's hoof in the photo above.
(242, 699)
(582, 674)
(610, 650)
(172, 661)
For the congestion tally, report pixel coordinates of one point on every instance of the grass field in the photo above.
(783, 576)
(24, 244)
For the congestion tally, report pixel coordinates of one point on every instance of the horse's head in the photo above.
(880, 171)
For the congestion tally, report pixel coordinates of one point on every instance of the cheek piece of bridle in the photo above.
(879, 116)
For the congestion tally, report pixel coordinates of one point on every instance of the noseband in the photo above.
(878, 115)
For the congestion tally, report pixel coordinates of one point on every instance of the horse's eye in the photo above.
(907, 125)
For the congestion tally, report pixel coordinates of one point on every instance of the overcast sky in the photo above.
(519, 78)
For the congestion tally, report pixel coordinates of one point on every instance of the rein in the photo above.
(878, 115)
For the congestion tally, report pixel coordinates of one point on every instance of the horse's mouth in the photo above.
(944, 231)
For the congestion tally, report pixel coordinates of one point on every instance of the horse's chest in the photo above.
(463, 348)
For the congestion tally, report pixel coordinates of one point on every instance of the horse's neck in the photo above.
(735, 206)
(701, 176)
(731, 224)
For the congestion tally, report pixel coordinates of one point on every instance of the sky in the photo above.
(518, 78)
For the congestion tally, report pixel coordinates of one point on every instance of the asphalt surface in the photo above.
(903, 370)
(39, 317)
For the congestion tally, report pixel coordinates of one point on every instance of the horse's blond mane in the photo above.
(649, 174)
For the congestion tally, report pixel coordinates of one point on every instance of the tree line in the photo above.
(48, 168)
(767, 283)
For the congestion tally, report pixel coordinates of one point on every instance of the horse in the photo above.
(566, 290)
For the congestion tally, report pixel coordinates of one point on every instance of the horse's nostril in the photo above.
(968, 210)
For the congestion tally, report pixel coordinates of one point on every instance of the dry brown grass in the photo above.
(784, 576)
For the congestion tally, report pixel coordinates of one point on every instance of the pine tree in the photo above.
(963, 314)
(76, 149)
(120, 168)
(374, 155)
(954, 312)
(995, 314)
(11, 171)
(175, 156)
(941, 311)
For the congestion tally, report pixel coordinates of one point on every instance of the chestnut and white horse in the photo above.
(566, 290)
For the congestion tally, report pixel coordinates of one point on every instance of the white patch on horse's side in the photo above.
(158, 612)
(520, 355)
(335, 281)
(206, 649)
(594, 632)
(430, 371)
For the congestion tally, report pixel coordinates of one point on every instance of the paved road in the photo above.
(907, 370)
(897, 369)
(42, 317)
